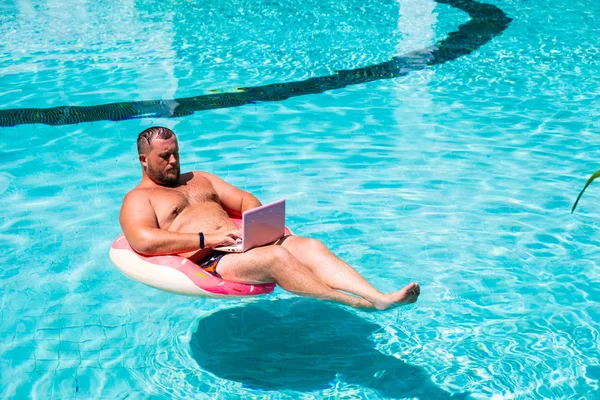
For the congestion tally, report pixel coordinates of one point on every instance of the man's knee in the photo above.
(311, 246)
(277, 255)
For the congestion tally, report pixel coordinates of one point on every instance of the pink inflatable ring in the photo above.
(178, 274)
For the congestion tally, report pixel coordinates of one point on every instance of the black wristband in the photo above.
(201, 235)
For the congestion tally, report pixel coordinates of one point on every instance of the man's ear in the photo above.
(143, 161)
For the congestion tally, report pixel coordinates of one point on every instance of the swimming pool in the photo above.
(459, 175)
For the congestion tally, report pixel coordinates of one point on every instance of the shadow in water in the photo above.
(302, 345)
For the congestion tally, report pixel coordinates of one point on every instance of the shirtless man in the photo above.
(166, 212)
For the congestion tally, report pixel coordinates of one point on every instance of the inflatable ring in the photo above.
(178, 274)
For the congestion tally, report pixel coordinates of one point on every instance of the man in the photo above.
(167, 211)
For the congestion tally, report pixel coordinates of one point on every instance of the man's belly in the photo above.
(206, 218)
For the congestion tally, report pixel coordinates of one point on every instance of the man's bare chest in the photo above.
(169, 203)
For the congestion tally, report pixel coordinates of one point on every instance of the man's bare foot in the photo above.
(407, 295)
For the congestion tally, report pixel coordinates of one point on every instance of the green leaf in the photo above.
(597, 174)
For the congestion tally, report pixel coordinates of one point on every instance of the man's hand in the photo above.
(222, 237)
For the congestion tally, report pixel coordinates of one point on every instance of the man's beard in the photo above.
(164, 179)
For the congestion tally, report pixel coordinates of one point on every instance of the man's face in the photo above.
(162, 162)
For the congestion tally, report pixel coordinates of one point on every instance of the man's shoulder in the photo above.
(137, 193)
(196, 174)
(197, 177)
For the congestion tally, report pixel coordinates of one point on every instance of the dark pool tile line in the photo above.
(487, 21)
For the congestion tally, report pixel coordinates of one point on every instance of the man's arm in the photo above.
(232, 198)
(140, 226)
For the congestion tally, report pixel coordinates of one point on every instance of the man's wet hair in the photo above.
(145, 138)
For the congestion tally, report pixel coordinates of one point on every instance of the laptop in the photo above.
(261, 225)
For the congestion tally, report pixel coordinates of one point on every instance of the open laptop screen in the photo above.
(260, 226)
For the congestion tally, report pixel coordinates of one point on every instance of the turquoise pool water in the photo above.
(459, 175)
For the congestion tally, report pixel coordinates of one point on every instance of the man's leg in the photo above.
(275, 263)
(339, 275)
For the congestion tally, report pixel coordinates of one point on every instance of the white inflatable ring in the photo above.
(178, 274)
